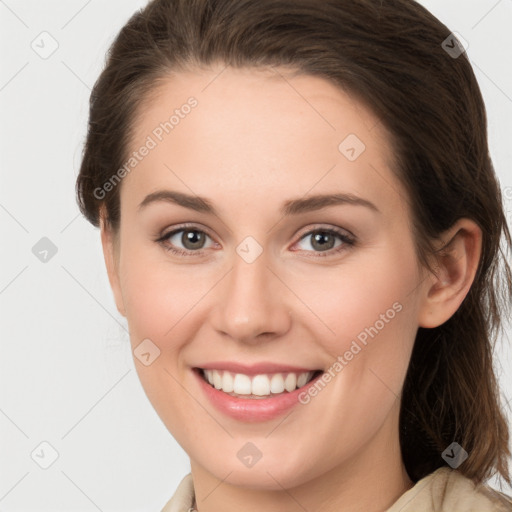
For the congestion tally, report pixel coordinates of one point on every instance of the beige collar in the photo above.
(444, 490)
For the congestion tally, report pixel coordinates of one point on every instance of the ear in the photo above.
(111, 256)
(457, 263)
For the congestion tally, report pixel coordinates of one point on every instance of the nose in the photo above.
(251, 303)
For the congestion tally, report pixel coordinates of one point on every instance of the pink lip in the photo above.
(249, 409)
(254, 369)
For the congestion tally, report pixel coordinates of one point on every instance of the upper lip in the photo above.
(255, 368)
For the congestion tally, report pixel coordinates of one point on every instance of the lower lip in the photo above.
(252, 409)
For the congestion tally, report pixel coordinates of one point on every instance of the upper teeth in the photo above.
(260, 385)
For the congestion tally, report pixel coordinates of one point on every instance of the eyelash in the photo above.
(348, 241)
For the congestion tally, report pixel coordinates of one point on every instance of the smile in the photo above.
(257, 386)
(246, 406)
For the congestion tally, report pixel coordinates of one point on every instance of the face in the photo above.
(260, 272)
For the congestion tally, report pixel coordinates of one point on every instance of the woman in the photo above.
(302, 224)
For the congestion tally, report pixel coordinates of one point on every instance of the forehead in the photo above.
(256, 133)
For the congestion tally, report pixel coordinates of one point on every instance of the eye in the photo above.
(323, 240)
(191, 239)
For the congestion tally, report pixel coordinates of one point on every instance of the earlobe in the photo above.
(110, 254)
(457, 263)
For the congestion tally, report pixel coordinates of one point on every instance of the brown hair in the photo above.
(390, 56)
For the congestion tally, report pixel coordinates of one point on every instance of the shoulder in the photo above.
(448, 490)
(497, 497)
(183, 496)
(444, 490)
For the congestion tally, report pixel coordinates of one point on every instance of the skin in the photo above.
(256, 139)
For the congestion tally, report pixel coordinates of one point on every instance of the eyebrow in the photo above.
(290, 207)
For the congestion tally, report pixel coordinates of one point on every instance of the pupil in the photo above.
(193, 239)
(322, 236)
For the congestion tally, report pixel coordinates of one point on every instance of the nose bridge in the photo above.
(251, 303)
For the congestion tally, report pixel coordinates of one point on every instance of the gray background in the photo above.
(66, 373)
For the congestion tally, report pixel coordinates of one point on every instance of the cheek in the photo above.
(159, 302)
(157, 294)
(369, 307)
(365, 293)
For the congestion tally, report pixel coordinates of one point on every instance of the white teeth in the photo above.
(277, 383)
(302, 380)
(227, 382)
(217, 379)
(259, 385)
(290, 383)
(242, 384)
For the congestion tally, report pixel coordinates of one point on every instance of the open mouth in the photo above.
(256, 386)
